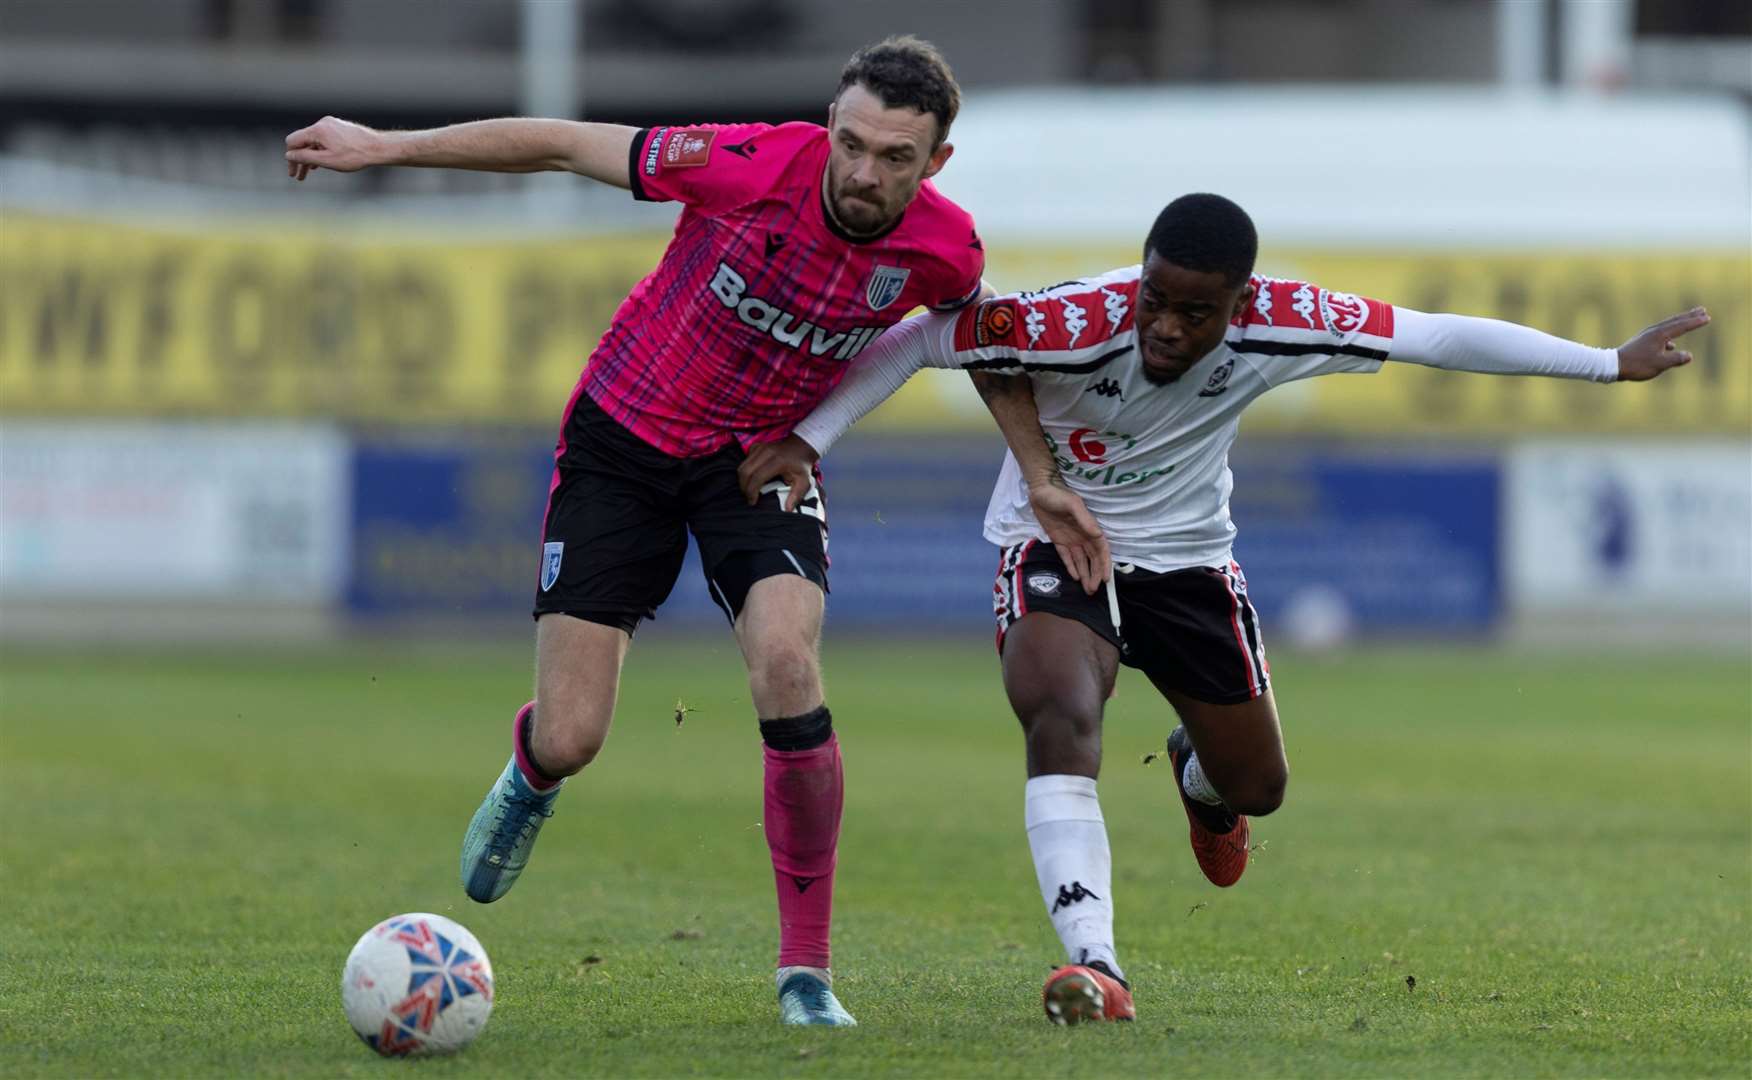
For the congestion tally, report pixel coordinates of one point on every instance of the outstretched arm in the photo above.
(1068, 523)
(1465, 343)
(873, 378)
(599, 151)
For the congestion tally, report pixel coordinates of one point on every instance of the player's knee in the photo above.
(1050, 720)
(784, 677)
(1043, 706)
(1259, 794)
(564, 744)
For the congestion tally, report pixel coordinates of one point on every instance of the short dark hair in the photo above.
(906, 71)
(1205, 232)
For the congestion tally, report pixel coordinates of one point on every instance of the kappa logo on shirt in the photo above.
(731, 289)
(1075, 323)
(1304, 305)
(1117, 306)
(1107, 388)
(1262, 302)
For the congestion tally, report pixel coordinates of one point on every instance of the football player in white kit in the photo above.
(1140, 377)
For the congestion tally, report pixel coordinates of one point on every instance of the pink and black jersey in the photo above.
(761, 302)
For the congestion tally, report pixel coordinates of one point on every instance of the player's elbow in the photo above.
(598, 151)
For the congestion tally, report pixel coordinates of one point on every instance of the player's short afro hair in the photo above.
(905, 71)
(1205, 232)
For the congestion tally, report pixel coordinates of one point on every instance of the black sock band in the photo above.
(529, 751)
(804, 732)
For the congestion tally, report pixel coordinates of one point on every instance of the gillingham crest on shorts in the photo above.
(551, 553)
(886, 283)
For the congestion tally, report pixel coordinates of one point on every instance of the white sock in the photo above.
(1196, 785)
(1068, 838)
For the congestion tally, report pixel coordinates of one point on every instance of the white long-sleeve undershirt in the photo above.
(1494, 347)
(1450, 342)
(919, 342)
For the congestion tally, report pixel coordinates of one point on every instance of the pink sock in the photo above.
(519, 747)
(805, 790)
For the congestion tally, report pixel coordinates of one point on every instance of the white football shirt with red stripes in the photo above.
(1150, 461)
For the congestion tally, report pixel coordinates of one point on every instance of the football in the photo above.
(417, 984)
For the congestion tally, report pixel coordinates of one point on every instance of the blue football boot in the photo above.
(804, 998)
(503, 832)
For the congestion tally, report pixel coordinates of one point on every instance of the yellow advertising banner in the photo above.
(290, 320)
(108, 319)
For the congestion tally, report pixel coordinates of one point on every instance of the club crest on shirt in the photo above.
(885, 285)
(1344, 313)
(1219, 380)
(551, 554)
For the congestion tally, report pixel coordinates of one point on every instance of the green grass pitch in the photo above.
(1487, 866)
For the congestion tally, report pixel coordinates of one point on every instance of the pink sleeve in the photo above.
(961, 287)
(713, 167)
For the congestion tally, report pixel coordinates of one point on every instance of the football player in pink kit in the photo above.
(1140, 376)
(796, 246)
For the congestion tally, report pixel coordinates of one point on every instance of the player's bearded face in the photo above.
(880, 157)
(1182, 315)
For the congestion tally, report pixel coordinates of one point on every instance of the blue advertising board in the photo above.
(1387, 541)
(443, 526)
(449, 527)
(452, 527)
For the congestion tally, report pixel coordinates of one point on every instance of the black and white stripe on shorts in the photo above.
(1249, 642)
(1008, 604)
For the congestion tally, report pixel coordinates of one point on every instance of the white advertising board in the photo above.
(1662, 528)
(173, 511)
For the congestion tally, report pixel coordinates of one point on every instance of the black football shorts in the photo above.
(619, 511)
(1194, 630)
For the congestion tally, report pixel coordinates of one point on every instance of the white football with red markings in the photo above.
(417, 984)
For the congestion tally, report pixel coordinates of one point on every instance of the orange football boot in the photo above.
(1077, 993)
(1220, 837)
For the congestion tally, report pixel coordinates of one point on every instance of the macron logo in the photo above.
(782, 326)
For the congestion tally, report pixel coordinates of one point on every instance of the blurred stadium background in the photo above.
(273, 457)
(239, 410)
